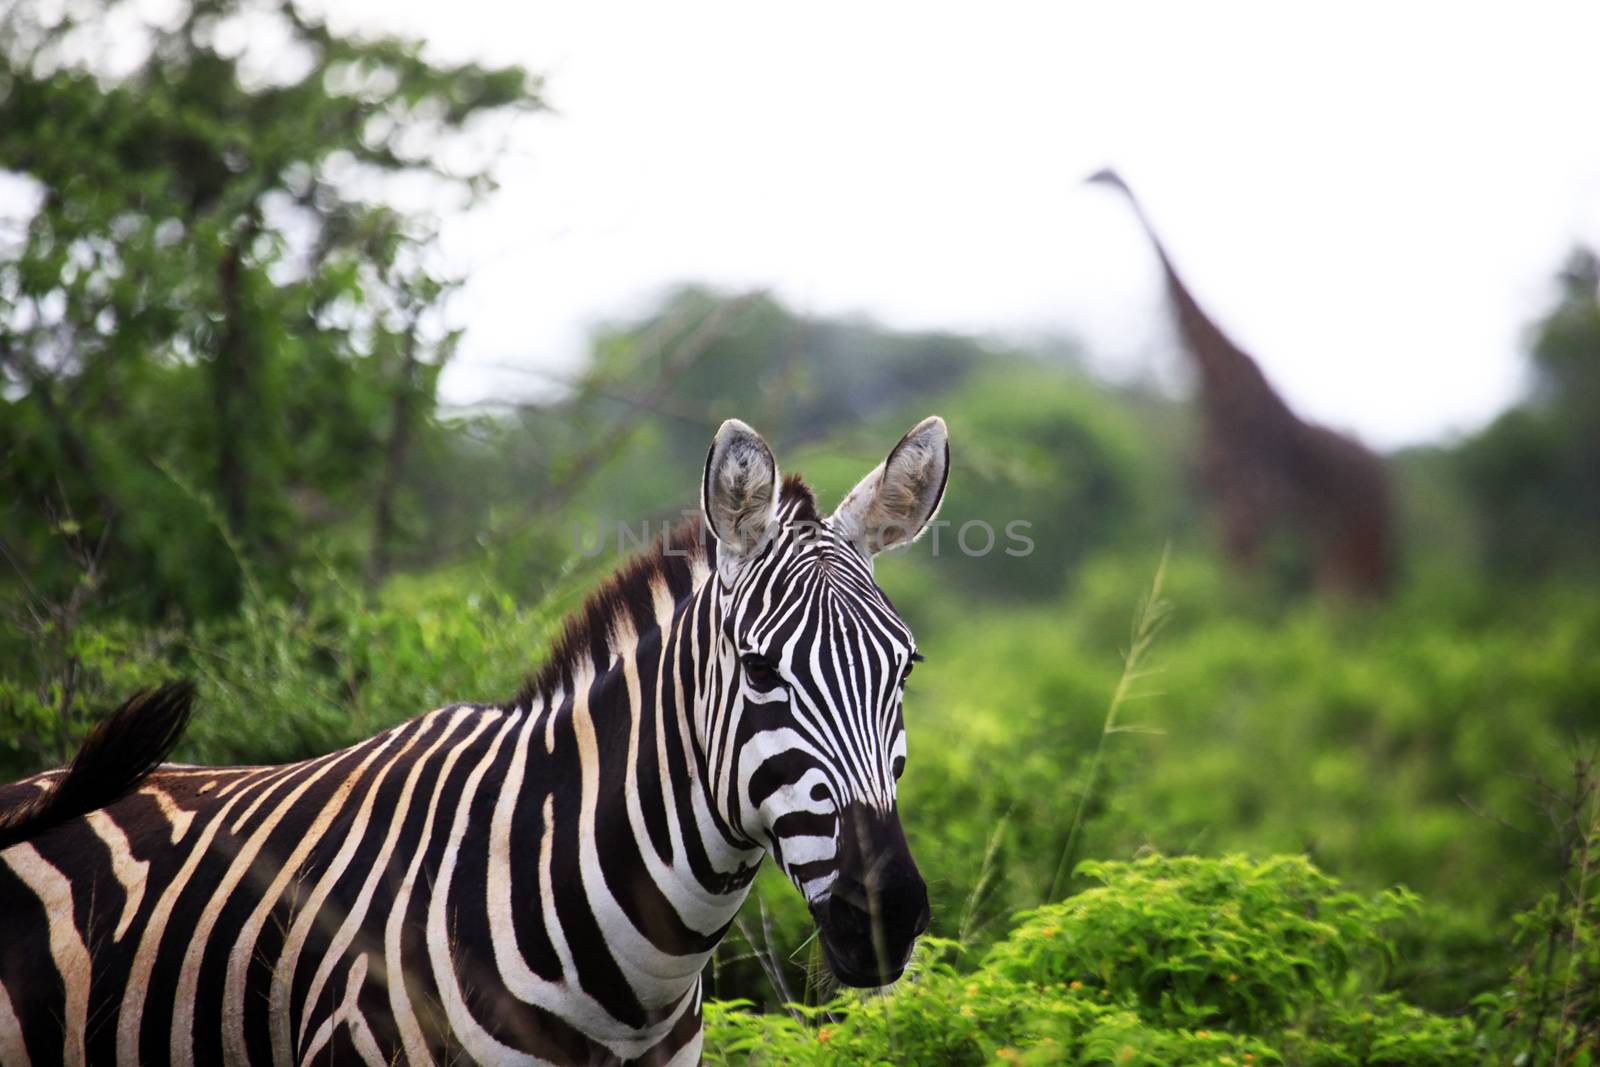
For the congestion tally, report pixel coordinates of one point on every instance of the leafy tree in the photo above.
(797, 378)
(216, 337)
(1536, 471)
(513, 481)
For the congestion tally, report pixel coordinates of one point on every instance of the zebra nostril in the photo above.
(868, 933)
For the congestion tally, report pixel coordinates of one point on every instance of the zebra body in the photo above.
(540, 881)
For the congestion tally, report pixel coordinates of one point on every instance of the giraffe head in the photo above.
(804, 726)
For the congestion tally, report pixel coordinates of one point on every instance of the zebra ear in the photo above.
(739, 493)
(893, 505)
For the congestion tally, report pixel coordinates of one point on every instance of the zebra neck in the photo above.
(622, 758)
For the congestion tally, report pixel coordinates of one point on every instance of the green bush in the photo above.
(286, 679)
(1202, 942)
(1165, 961)
(1549, 1010)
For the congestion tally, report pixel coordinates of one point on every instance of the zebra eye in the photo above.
(899, 767)
(760, 671)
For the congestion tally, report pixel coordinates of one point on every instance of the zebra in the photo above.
(540, 881)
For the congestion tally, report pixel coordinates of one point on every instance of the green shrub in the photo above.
(285, 679)
(938, 1015)
(1165, 961)
(1549, 1010)
(1204, 942)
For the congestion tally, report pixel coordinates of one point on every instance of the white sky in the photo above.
(1372, 201)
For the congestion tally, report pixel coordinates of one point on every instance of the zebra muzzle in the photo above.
(877, 906)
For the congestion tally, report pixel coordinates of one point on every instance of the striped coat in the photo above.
(536, 881)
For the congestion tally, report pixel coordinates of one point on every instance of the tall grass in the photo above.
(1149, 617)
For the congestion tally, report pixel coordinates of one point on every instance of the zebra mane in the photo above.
(630, 594)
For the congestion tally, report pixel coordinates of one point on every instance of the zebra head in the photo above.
(804, 727)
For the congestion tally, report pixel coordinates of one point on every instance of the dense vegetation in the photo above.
(1307, 832)
(1159, 961)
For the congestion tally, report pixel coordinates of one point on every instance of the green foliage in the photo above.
(208, 284)
(1194, 942)
(798, 379)
(1354, 736)
(1166, 960)
(290, 679)
(52, 681)
(1550, 1009)
(1538, 466)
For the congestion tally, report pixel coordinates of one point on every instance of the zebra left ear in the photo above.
(739, 493)
(892, 505)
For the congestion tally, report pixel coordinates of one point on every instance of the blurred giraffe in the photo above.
(1265, 468)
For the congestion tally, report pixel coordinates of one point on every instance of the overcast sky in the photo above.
(1373, 202)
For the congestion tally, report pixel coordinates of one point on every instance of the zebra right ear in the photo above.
(739, 492)
(897, 500)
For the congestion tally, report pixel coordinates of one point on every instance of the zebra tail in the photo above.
(116, 756)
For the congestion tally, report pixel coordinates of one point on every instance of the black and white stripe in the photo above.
(536, 882)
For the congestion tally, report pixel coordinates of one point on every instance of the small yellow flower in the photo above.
(1249, 1057)
(972, 989)
(824, 1034)
(966, 1010)
(1007, 1054)
(1048, 931)
(1202, 1033)
(1233, 978)
(1075, 984)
